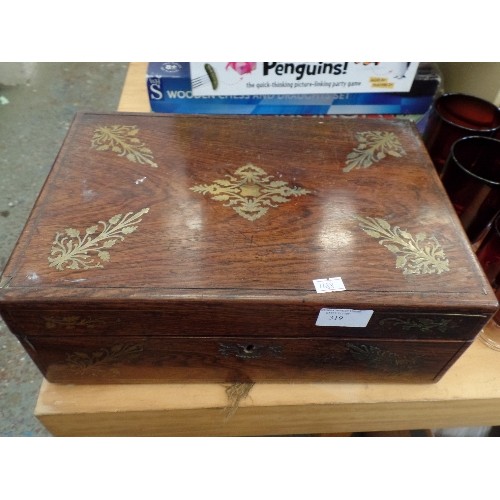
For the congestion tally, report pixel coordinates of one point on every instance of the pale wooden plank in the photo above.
(134, 96)
(469, 394)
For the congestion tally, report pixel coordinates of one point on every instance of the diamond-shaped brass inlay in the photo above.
(250, 192)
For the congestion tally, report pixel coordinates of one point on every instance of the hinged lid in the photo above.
(157, 207)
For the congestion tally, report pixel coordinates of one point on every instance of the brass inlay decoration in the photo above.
(422, 324)
(372, 147)
(72, 322)
(419, 254)
(250, 192)
(382, 359)
(73, 250)
(122, 140)
(101, 361)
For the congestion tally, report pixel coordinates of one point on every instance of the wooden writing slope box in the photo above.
(176, 248)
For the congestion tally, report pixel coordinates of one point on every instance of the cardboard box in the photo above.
(170, 90)
(270, 78)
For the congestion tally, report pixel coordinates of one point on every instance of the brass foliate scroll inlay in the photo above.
(419, 254)
(250, 192)
(103, 360)
(123, 140)
(372, 147)
(421, 324)
(382, 359)
(73, 249)
(72, 322)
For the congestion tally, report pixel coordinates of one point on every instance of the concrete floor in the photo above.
(37, 104)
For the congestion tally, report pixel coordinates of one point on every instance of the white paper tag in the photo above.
(344, 317)
(326, 285)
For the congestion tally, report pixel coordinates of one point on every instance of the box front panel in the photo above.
(249, 359)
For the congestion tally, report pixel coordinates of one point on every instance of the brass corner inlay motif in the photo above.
(419, 254)
(372, 147)
(421, 324)
(381, 359)
(72, 322)
(104, 359)
(73, 250)
(250, 192)
(123, 140)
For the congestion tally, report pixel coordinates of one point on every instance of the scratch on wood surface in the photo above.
(235, 394)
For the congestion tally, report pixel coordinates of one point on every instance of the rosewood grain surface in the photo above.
(183, 228)
(228, 359)
(190, 241)
(234, 318)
